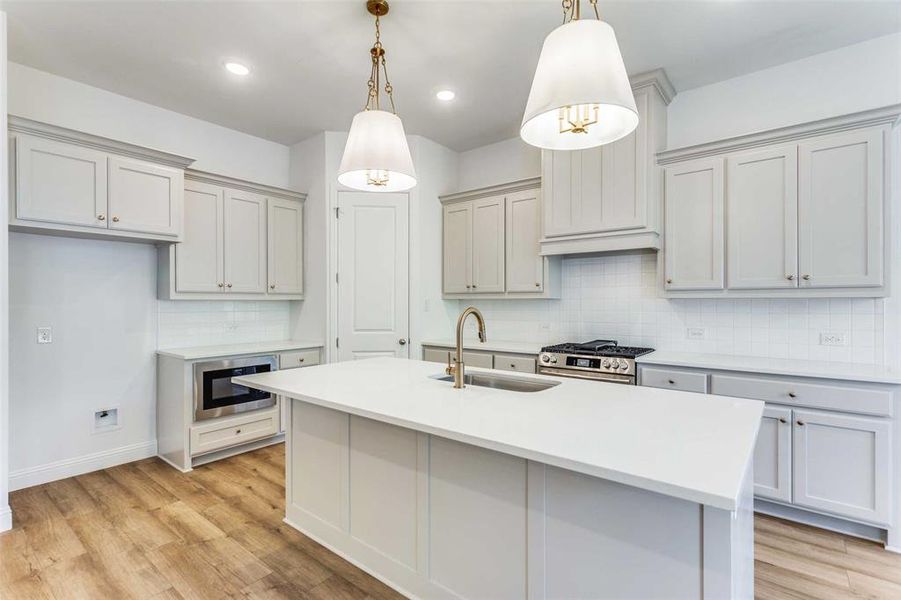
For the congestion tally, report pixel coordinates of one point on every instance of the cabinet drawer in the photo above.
(478, 359)
(438, 355)
(522, 364)
(840, 397)
(298, 358)
(674, 379)
(233, 432)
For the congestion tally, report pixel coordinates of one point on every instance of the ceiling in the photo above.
(310, 60)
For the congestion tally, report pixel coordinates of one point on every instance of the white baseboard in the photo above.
(6, 518)
(70, 467)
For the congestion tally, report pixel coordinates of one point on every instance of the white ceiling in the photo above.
(310, 60)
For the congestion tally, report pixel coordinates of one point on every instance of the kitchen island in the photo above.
(585, 489)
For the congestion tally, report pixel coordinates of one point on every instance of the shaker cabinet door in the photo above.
(525, 267)
(773, 455)
(60, 183)
(457, 248)
(245, 242)
(842, 465)
(840, 206)
(762, 217)
(488, 245)
(694, 225)
(199, 258)
(144, 197)
(285, 227)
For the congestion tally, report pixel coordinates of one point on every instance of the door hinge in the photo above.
(337, 345)
(337, 213)
(336, 278)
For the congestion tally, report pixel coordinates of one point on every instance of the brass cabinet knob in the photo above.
(805, 277)
(221, 284)
(228, 285)
(237, 431)
(300, 360)
(790, 277)
(272, 286)
(671, 382)
(669, 280)
(782, 420)
(792, 395)
(101, 218)
(537, 284)
(800, 423)
(115, 219)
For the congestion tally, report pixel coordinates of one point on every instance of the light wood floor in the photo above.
(144, 530)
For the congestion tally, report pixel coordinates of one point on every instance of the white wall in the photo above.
(501, 162)
(100, 299)
(846, 80)
(5, 514)
(52, 99)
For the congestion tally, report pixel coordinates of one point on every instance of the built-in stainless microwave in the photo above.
(214, 393)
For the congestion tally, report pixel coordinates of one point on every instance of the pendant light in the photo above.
(581, 96)
(376, 157)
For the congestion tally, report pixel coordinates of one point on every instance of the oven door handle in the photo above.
(610, 377)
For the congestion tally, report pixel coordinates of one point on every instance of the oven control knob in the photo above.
(606, 363)
(545, 358)
(554, 360)
(623, 365)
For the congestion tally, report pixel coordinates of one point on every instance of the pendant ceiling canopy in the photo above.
(377, 157)
(581, 96)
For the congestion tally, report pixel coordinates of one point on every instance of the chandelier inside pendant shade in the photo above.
(581, 96)
(376, 156)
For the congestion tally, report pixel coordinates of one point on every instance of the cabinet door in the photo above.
(840, 210)
(199, 258)
(144, 197)
(245, 242)
(525, 267)
(762, 218)
(457, 248)
(625, 166)
(285, 237)
(60, 183)
(842, 465)
(773, 455)
(488, 245)
(573, 184)
(693, 253)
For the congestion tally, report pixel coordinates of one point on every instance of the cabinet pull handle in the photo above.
(805, 277)
(512, 366)
(300, 360)
(473, 286)
(789, 277)
(782, 420)
(537, 284)
(115, 219)
(800, 422)
(671, 382)
(792, 395)
(101, 218)
(237, 431)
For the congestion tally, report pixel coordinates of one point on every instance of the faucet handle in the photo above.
(450, 369)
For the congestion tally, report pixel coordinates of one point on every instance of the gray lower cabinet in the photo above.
(823, 446)
(522, 363)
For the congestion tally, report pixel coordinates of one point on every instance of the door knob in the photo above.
(402, 342)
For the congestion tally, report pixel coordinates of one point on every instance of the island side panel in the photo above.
(729, 546)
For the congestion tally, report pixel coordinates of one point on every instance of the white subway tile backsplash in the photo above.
(185, 323)
(616, 296)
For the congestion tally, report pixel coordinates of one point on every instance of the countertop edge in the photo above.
(201, 352)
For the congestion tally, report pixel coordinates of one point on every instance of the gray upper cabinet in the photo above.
(525, 267)
(804, 212)
(608, 198)
(73, 183)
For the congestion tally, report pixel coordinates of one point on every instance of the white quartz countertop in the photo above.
(490, 346)
(775, 366)
(238, 349)
(690, 446)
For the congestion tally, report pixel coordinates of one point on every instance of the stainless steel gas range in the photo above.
(601, 360)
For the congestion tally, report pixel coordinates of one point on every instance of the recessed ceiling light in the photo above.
(237, 68)
(446, 95)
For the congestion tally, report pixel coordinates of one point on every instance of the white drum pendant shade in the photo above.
(580, 64)
(377, 157)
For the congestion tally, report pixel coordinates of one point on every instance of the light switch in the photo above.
(45, 335)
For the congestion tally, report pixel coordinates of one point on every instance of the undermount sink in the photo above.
(501, 382)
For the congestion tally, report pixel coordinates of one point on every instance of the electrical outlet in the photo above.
(45, 335)
(833, 338)
(696, 333)
(106, 419)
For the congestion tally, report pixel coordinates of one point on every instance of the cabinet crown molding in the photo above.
(241, 184)
(530, 183)
(79, 138)
(886, 115)
(656, 79)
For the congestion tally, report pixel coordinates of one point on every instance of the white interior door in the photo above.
(373, 275)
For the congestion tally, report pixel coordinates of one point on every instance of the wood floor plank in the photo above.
(146, 530)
